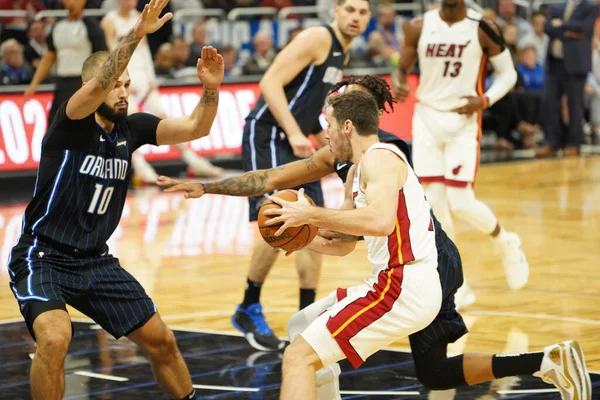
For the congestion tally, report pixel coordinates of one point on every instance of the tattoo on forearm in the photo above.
(311, 164)
(345, 237)
(117, 61)
(248, 184)
(210, 97)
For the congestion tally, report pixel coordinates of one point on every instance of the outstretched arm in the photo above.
(257, 183)
(384, 174)
(196, 125)
(89, 97)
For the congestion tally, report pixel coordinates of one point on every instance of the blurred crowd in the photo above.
(517, 120)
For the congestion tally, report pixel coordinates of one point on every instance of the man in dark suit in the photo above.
(570, 27)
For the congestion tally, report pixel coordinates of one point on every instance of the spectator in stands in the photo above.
(164, 61)
(511, 39)
(37, 46)
(71, 41)
(263, 55)
(183, 56)
(570, 27)
(490, 14)
(529, 68)
(592, 89)
(198, 40)
(14, 69)
(537, 37)
(386, 26)
(230, 60)
(507, 14)
(16, 27)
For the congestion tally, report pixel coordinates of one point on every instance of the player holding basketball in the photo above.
(453, 46)
(62, 257)
(386, 204)
(144, 91)
(293, 94)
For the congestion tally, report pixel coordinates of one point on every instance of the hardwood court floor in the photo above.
(192, 256)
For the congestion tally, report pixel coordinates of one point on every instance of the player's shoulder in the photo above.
(489, 27)
(315, 32)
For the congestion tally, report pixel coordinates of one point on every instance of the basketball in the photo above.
(292, 239)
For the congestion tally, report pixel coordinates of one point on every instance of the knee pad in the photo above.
(436, 195)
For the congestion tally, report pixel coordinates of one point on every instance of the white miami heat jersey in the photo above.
(141, 60)
(451, 61)
(413, 239)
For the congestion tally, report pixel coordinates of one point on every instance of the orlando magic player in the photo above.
(62, 257)
(293, 94)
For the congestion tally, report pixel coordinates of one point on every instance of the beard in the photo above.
(111, 114)
(343, 152)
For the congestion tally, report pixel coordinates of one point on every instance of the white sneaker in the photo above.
(202, 167)
(564, 366)
(513, 258)
(143, 171)
(464, 297)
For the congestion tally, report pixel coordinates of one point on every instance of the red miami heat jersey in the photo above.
(451, 61)
(413, 239)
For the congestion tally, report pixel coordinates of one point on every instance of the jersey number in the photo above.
(457, 65)
(101, 198)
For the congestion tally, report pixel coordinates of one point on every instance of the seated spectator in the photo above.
(198, 41)
(511, 39)
(263, 56)
(531, 71)
(37, 46)
(507, 14)
(14, 69)
(183, 57)
(164, 61)
(386, 26)
(490, 14)
(230, 60)
(378, 53)
(16, 27)
(537, 37)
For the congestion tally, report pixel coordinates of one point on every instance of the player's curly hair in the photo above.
(378, 87)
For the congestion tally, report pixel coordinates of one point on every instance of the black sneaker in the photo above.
(251, 322)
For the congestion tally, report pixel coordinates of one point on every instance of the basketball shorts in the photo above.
(445, 146)
(448, 326)
(41, 276)
(265, 146)
(356, 322)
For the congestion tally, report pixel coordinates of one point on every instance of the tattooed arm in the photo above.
(97, 86)
(196, 125)
(257, 183)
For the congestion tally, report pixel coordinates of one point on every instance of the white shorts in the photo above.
(445, 146)
(145, 98)
(356, 322)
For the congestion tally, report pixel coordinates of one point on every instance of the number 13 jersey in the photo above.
(451, 61)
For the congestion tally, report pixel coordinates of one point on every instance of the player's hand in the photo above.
(290, 214)
(191, 189)
(401, 89)
(210, 68)
(474, 104)
(301, 145)
(149, 21)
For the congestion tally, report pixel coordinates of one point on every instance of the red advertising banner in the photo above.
(23, 125)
